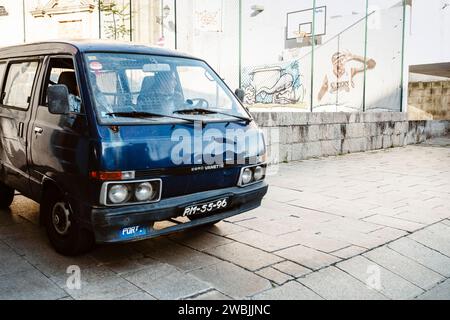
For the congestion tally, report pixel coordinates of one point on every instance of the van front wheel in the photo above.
(63, 230)
(6, 196)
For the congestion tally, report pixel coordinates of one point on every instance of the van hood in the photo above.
(188, 158)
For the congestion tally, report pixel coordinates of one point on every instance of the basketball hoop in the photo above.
(301, 37)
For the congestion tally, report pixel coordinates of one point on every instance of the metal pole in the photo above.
(24, 22)
(240, 43)
(176, 23)
(99, 19)
(131, 20)
(162, 19)
(365, 56)
(402, 81)
(312, 54)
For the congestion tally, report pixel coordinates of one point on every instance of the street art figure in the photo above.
(342, 78)
(273, 84)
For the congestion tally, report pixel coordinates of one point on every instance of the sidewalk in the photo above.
(363, 226)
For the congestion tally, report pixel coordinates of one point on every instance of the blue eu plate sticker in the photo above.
(133, 232)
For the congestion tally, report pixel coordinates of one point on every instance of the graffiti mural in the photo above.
(273, 84)
(343, 80)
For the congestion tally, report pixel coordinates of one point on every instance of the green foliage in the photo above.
(120, 15)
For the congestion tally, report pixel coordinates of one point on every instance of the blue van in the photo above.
(120, 142)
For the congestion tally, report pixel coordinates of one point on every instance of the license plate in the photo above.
(205, 208)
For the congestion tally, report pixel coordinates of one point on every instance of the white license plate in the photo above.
(205, 208)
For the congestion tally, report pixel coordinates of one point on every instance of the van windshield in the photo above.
(134, 88)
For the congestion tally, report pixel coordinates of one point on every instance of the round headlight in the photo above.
(259, 173)
(118, 194)
(247, 176)
(144, 191)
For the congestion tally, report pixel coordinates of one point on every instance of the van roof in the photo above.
(74, 46)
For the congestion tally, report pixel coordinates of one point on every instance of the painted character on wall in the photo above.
(273, 84)
(342, 78)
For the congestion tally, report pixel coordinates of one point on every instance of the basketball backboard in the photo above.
(301, 22)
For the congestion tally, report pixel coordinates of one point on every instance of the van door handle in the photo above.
(38, 130)
(20, 130)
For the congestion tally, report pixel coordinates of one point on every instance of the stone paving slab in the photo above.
(244, 256)
(334, 284)
(289, 291)
(292, 269)
(274, 275)
(349, 252)
(96, 283)
(233, 281)
(440, 292)
(423, 255)
(213, 295)
(308, 257)
(406, 268)
(395, 223)
(379, 278)
(436, 237)
(264, 241)
(29, 285)
(10, 262)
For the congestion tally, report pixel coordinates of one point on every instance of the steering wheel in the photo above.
(199, 103)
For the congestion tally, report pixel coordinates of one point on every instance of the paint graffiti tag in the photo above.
(273, 84)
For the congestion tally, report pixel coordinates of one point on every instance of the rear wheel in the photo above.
(63, 230)
(6, 196)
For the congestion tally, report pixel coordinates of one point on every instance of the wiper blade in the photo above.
(143, 115)
(206, 112)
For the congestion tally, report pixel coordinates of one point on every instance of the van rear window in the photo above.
(19, 83)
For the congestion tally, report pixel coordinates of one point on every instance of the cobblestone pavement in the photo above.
(363, 226)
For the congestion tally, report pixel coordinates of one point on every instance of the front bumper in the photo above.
(108, 223)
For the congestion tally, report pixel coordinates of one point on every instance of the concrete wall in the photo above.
(433, 98)
(429, 33)
(298, 136)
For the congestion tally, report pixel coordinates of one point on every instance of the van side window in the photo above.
(19, 83)
(61, 71)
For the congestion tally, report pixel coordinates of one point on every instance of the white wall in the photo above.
(12, 24)
(429, 38)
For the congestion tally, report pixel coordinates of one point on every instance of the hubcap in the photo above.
(61, 218)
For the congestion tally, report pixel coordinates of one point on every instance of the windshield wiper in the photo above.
(206, 112)
(143, 115)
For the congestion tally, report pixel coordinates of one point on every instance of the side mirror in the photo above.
(58, 99)
(240, 94)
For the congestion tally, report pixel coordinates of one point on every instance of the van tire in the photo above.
(6, 196)
(69, 239)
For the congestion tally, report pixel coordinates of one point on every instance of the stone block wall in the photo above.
(294, 136)
(430, 100)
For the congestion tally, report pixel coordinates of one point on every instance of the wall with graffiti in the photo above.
(274, 84)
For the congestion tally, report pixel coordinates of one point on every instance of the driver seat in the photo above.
(69, 79)
(146, 95)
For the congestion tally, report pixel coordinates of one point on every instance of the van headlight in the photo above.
(252, 175)
(130, 192)
(259, 173)
(247, 176)
(118, 193)
(144, 191)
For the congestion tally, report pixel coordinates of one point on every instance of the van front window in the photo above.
(134, 88)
